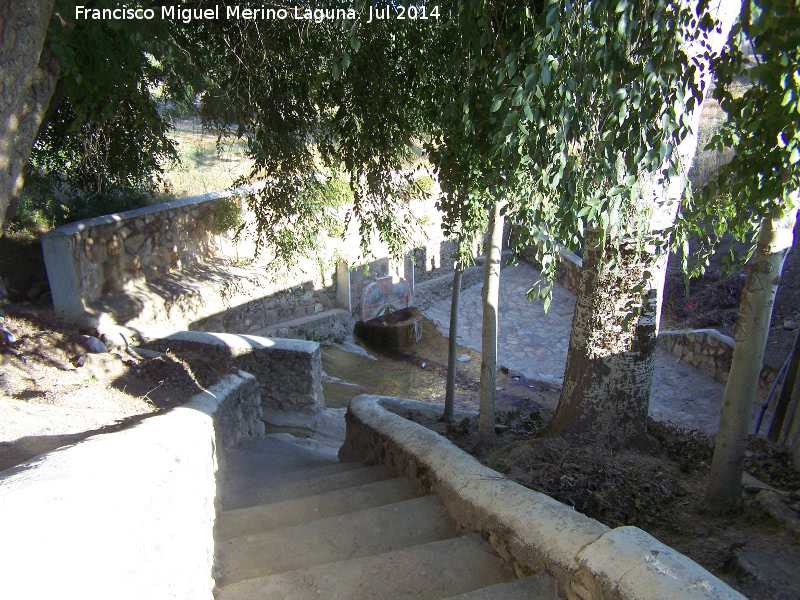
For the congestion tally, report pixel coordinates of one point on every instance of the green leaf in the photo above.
(336, 70)
(511, 118)
(546, 75)
(495, 106)
(795, 157)
(530, 81)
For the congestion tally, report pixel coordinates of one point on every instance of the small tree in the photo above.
(757, 191)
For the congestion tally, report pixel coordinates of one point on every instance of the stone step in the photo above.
(268, 517)
(242, 493)
(536, 587)
(355, 535)
(273, 455)
(425, 572)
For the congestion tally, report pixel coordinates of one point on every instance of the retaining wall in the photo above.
(531, 530)
(164, 268)
(288, 372)
(126, 515)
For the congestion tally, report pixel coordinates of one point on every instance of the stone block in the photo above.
(629, 564)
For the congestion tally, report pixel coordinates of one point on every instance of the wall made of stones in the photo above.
(711, 352)
(112, 255)
(289, 372)
(568, 269)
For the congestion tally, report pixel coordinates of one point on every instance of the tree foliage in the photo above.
(762, 127)
(564, 108)
(103, 142)
(337, 98)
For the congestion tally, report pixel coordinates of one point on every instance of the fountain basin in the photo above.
(398, 329)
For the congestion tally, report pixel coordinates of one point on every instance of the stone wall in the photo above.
(568, 269)
(126, 515)
(711, 352)
(118, 252)
(161, 269)
(289, 372)
(530, 530)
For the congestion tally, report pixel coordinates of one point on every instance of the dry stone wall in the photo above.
(289, 372)
(161, 269)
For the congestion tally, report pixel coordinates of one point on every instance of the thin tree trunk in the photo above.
(28, 76)
(491, 298)
(452, 343)
(724, 491)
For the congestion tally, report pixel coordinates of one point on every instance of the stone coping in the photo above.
(125, 515)
(531, 530)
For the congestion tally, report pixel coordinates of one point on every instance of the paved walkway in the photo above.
(535, 344)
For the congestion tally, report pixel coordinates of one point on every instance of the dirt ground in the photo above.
(55, 391)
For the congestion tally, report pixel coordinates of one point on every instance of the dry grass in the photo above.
(204, 166)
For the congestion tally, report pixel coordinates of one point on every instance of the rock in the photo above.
(791, 324)
(95, 345)
(464, 358)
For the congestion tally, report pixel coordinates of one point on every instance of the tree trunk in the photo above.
(491, 297)
(609, 370)
(452, 344)
(28, 76)
(724, 491)
(790, 432)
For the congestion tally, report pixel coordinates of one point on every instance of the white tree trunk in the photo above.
(27, 79)
(609, 372)
(491, 297)
(724, 491)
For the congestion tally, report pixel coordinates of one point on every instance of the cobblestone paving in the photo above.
(535, 344)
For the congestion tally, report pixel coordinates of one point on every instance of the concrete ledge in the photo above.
(126, 515)
(531, 530)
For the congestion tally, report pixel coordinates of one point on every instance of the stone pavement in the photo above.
(535, 344)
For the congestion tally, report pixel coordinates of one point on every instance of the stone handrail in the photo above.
(127, 515)
(529, 529)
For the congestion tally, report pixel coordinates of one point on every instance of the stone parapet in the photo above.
(126, 515)
(531, 530)
(289, 372)
(568, 269)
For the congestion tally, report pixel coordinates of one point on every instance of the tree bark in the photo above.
(452, 344)
(491, 297)
(609, 370)
(788, 392)
(724, 491)
(28, 74)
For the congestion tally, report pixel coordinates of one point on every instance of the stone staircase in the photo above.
(297, 524)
